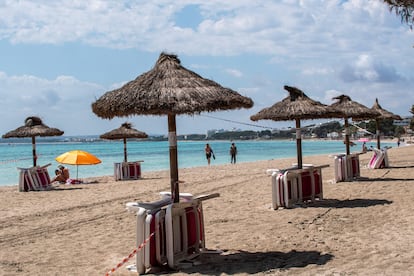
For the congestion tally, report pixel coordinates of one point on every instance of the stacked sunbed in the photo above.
(173, 233)
(296, 186)
(127, 170)
(346, 167)
(379, 159)
(34, 179)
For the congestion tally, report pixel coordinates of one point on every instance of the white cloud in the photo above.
(234, 72)
(357, 47)
(366, 69)
(65, 100)
(266, 27)
(314, 71)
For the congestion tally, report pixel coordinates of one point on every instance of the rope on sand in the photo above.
(130, 255)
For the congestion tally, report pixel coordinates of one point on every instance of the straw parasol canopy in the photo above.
(297, 106)
(168, 89)
(33, 126)
(124, 132)
(352, 109)
(383, 114)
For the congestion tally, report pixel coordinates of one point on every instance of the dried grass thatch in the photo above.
(33, 126)
(352, 109)
(123, 132)
(296, 106)
(168, 88)
(384, 114)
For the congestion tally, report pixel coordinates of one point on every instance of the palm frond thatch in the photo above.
(296, 106)
(168, 88)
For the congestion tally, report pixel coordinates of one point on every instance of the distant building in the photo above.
(333, 135)
(211, 132)
(404, 122)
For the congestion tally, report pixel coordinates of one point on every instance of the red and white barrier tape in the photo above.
(14, 160)
(130, 255)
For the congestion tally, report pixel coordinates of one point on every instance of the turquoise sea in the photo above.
(154, 154)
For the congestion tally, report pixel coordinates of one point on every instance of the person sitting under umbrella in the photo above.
(62, 174)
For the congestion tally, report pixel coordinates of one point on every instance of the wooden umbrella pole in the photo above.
(125, 151)
(378, 133)
(299, 143)
(347, 136)
(172, 139)
(34, 151)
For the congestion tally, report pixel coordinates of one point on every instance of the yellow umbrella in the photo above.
(78, 157)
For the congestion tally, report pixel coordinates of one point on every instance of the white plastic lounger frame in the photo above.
(379, 159)
(127, 170)
(280, 190)
(178, 231)
(287, 187)
(352, 166)
(34, 179)
(386, 162)
(179, 245)
(339, 166)
(185, 230)
(150, 218)
(346, 167)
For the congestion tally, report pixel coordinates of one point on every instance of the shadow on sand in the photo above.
(69, 187)
(253, 262)
(401, 167)
(348, 203)
(383, 179)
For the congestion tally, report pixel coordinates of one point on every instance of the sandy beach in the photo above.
(364, 227)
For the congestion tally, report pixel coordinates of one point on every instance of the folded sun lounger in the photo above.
(295, 186)
(34, 179)
(127, 170)
(379, 159)
(176, 231)
(346, 167)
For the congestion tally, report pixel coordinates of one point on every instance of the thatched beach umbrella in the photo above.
(33, 126)
(352, 109)
(383, 114)
(123, 132)
(168, 89)
(297, 106)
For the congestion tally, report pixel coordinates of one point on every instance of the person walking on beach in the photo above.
(233, 153)
(209, 153)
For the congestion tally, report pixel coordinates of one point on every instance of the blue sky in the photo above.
(58, 57)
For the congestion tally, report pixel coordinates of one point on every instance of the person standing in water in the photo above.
(233, 153)
(209, 152)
